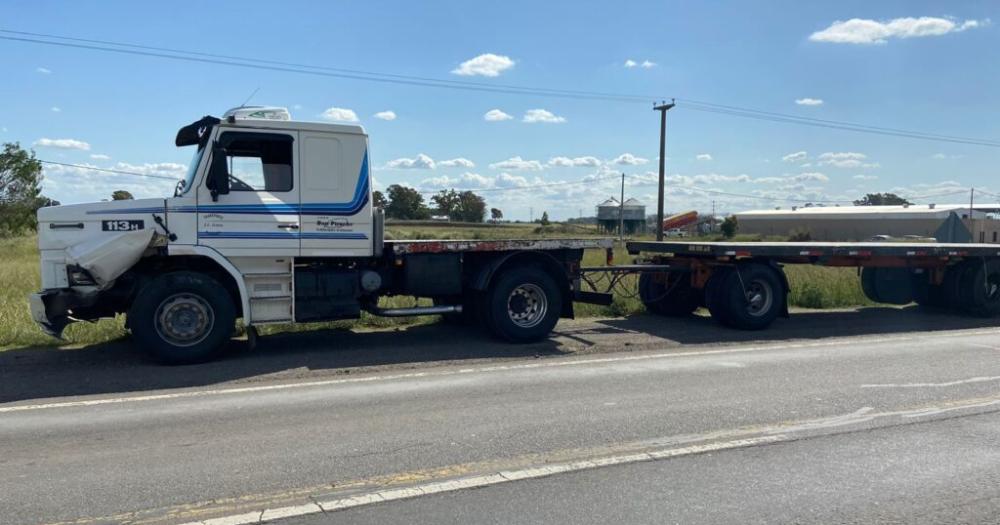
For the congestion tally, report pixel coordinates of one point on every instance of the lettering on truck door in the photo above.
(260, 214)
(336, 212)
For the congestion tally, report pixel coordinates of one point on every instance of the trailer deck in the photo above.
(822, 253)
(402, 247)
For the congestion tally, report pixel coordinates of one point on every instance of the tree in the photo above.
(20, 189)
(405, 204)
(496, 214)
(446, 201)
(471, 208)
(378, 198)
(882, 199)
(121, 195)
(544, 221)
(729, 227)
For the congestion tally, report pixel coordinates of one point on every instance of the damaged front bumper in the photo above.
(51, 309)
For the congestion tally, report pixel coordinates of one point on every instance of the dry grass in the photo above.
(812, 287)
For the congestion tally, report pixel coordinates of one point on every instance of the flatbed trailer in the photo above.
(743, 284)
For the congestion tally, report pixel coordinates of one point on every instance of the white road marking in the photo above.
(505, 476)
(935, 385)
(487, 369)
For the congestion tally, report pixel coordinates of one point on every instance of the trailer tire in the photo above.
(955, 293)
(927, 294)
(750, 297)
(714, 300)
(523, 305)
(674, 299)
(981, 284)
(182, 318)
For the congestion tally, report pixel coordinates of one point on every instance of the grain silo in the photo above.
(633, 215)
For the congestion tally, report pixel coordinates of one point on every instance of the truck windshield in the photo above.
(192, 169)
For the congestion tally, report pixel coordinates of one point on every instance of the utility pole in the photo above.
(972, 199)
(711, 223)
(621, 213)
(531, 214)
(662, 108)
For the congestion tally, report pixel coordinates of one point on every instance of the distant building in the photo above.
(633, 215)
(862, 223)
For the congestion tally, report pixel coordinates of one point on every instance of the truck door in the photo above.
(260, 214)
(336, 212)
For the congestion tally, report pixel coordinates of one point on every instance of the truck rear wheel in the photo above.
(182, 318)
(749, 298)
(523, 305)
(668, 294)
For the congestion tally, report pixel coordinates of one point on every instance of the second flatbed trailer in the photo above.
(743, 284)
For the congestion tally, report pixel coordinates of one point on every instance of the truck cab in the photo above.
(273, 223)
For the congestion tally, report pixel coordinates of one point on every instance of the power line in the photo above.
(109, 170)
(372, 76)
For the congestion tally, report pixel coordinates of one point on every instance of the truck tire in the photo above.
(981, 284)
(750, 297)
(523, 305)
(956, 296)
(182, 318)
(868, 278)
(670, 295)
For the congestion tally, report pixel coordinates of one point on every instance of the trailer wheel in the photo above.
(182, 318)
(670, 295)
(981, 284)
(749, 298)
(714, 300)
(523, 305)
(956, 285)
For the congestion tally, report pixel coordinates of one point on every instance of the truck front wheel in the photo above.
(523, 305)
(182, 318)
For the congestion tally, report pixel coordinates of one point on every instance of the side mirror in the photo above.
(218, 174)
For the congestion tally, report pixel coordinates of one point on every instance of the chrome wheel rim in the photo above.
(760, 298)
(184, 319)
(527, 305)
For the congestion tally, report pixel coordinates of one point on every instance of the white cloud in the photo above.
(487, 65)
(340, 115)
(542, 115)
(647, 64)
(866, 31)
(576, 162)
(100, 156)
(809, 101)
(43, 70)
(517, 163)
(629, 63)
(420, 162)
(628, 159)
(703, 156)
(386, 115)
(55, 109)
(939, 156)
(798, 156)
(865, 177)
(845, 159)
(495, 115)
(810, 176)
(62, 144)
(459, 162)
(506, 180)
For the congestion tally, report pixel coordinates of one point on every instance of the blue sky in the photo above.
(888, 68)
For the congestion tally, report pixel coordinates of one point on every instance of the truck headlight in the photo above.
(79, 277)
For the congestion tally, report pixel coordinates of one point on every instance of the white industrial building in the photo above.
(861, 223)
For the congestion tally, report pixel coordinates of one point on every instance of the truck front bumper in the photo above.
(50, 310)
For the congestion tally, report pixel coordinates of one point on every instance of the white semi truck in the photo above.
(274, 223)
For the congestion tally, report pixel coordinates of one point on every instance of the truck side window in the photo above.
(260, 164)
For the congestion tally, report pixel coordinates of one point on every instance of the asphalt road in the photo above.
(879, 426)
